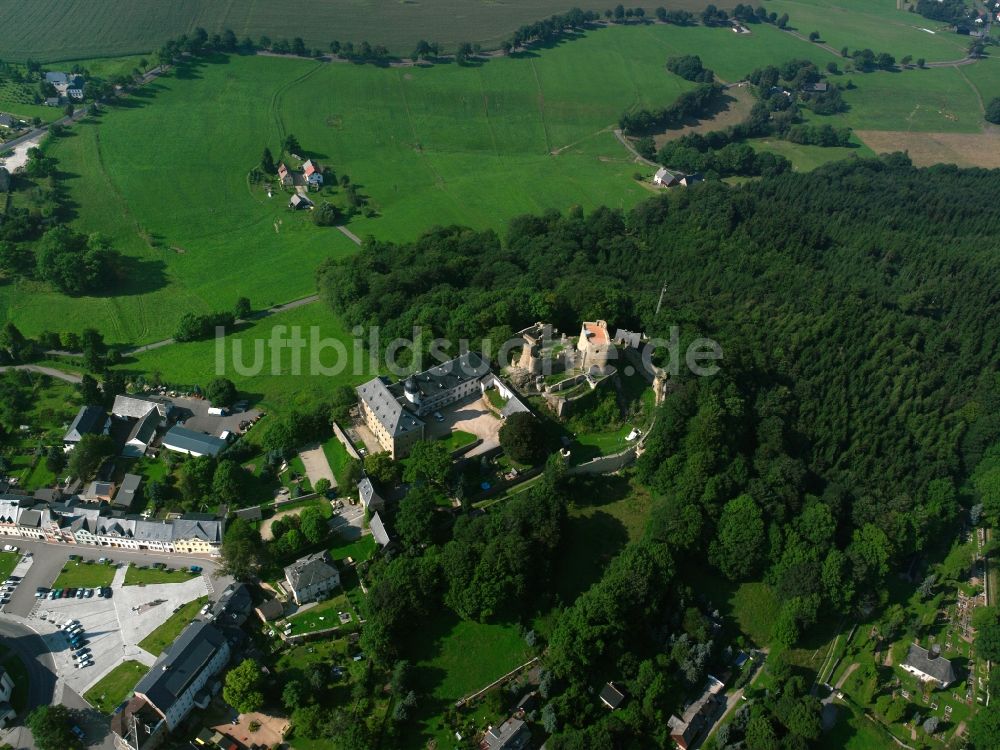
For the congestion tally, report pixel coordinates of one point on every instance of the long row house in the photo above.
(75, 522)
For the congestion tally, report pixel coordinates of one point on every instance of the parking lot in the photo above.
(193, 414)
(112, 627)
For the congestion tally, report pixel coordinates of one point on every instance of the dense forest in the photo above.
(858, 307)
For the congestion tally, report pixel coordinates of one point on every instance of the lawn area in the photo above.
(456, 658)
(752, 607)
(84, 575)
(458, 439)
(8, 561)
(324, 616)
(167, 633)
(358, 549)
(142, 576)
(115, 686)
(336, 455)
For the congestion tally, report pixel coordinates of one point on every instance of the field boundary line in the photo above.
(541, 107)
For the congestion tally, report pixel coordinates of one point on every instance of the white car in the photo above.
(9, 548)
(69, 624)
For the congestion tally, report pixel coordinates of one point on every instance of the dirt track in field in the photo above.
(925, 149)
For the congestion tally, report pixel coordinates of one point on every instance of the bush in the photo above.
(993, 111)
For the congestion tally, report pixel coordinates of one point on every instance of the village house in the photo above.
(90, 420)
(75, 522)
(929, 666)
(141, 435)
(99, 492)
(285, 176)
(312, 577)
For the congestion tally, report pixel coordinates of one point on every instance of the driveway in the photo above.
(316, 464)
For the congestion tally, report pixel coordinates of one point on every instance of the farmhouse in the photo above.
(311, 577)
(6, 121)
(66, 85)
(90, 420)
(699, 715)
(298, 202)
(136, 407)
(394, 412)
(141, 435)
(665, 178)
(314, 176)
(174, 685)
(285, 175)
(191, 443)
(929, 666)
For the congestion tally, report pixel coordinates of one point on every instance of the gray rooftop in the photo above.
(182, 662)
(126, 492)
(378, 530)
(138, 406)
(367, 493)
(511, 735)
(195, 442)
(310, 570)
(387, 409)
(90, 419)
(930, 664)
(444, 377)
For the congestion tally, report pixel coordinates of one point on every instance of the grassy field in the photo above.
(81, 575)
(429, 146)
(456, 658)
(8, 561)
(167, 633)
(875, 24)
(806, 158)
(115, 686)
(144, 576)
(458, 439)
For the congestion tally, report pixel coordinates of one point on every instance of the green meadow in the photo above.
(875, 24)
(164, 173)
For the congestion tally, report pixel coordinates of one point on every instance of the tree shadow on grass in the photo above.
(589, 544)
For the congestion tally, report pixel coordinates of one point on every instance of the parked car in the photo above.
(69, 593)
(89, 593)
(9, 548)
(107, 591)
(78, 732)
(100, 593)
(80, 593)
(195, 568)
(70, 623)
(438, 417)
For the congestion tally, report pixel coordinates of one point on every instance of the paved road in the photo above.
(69, 377)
